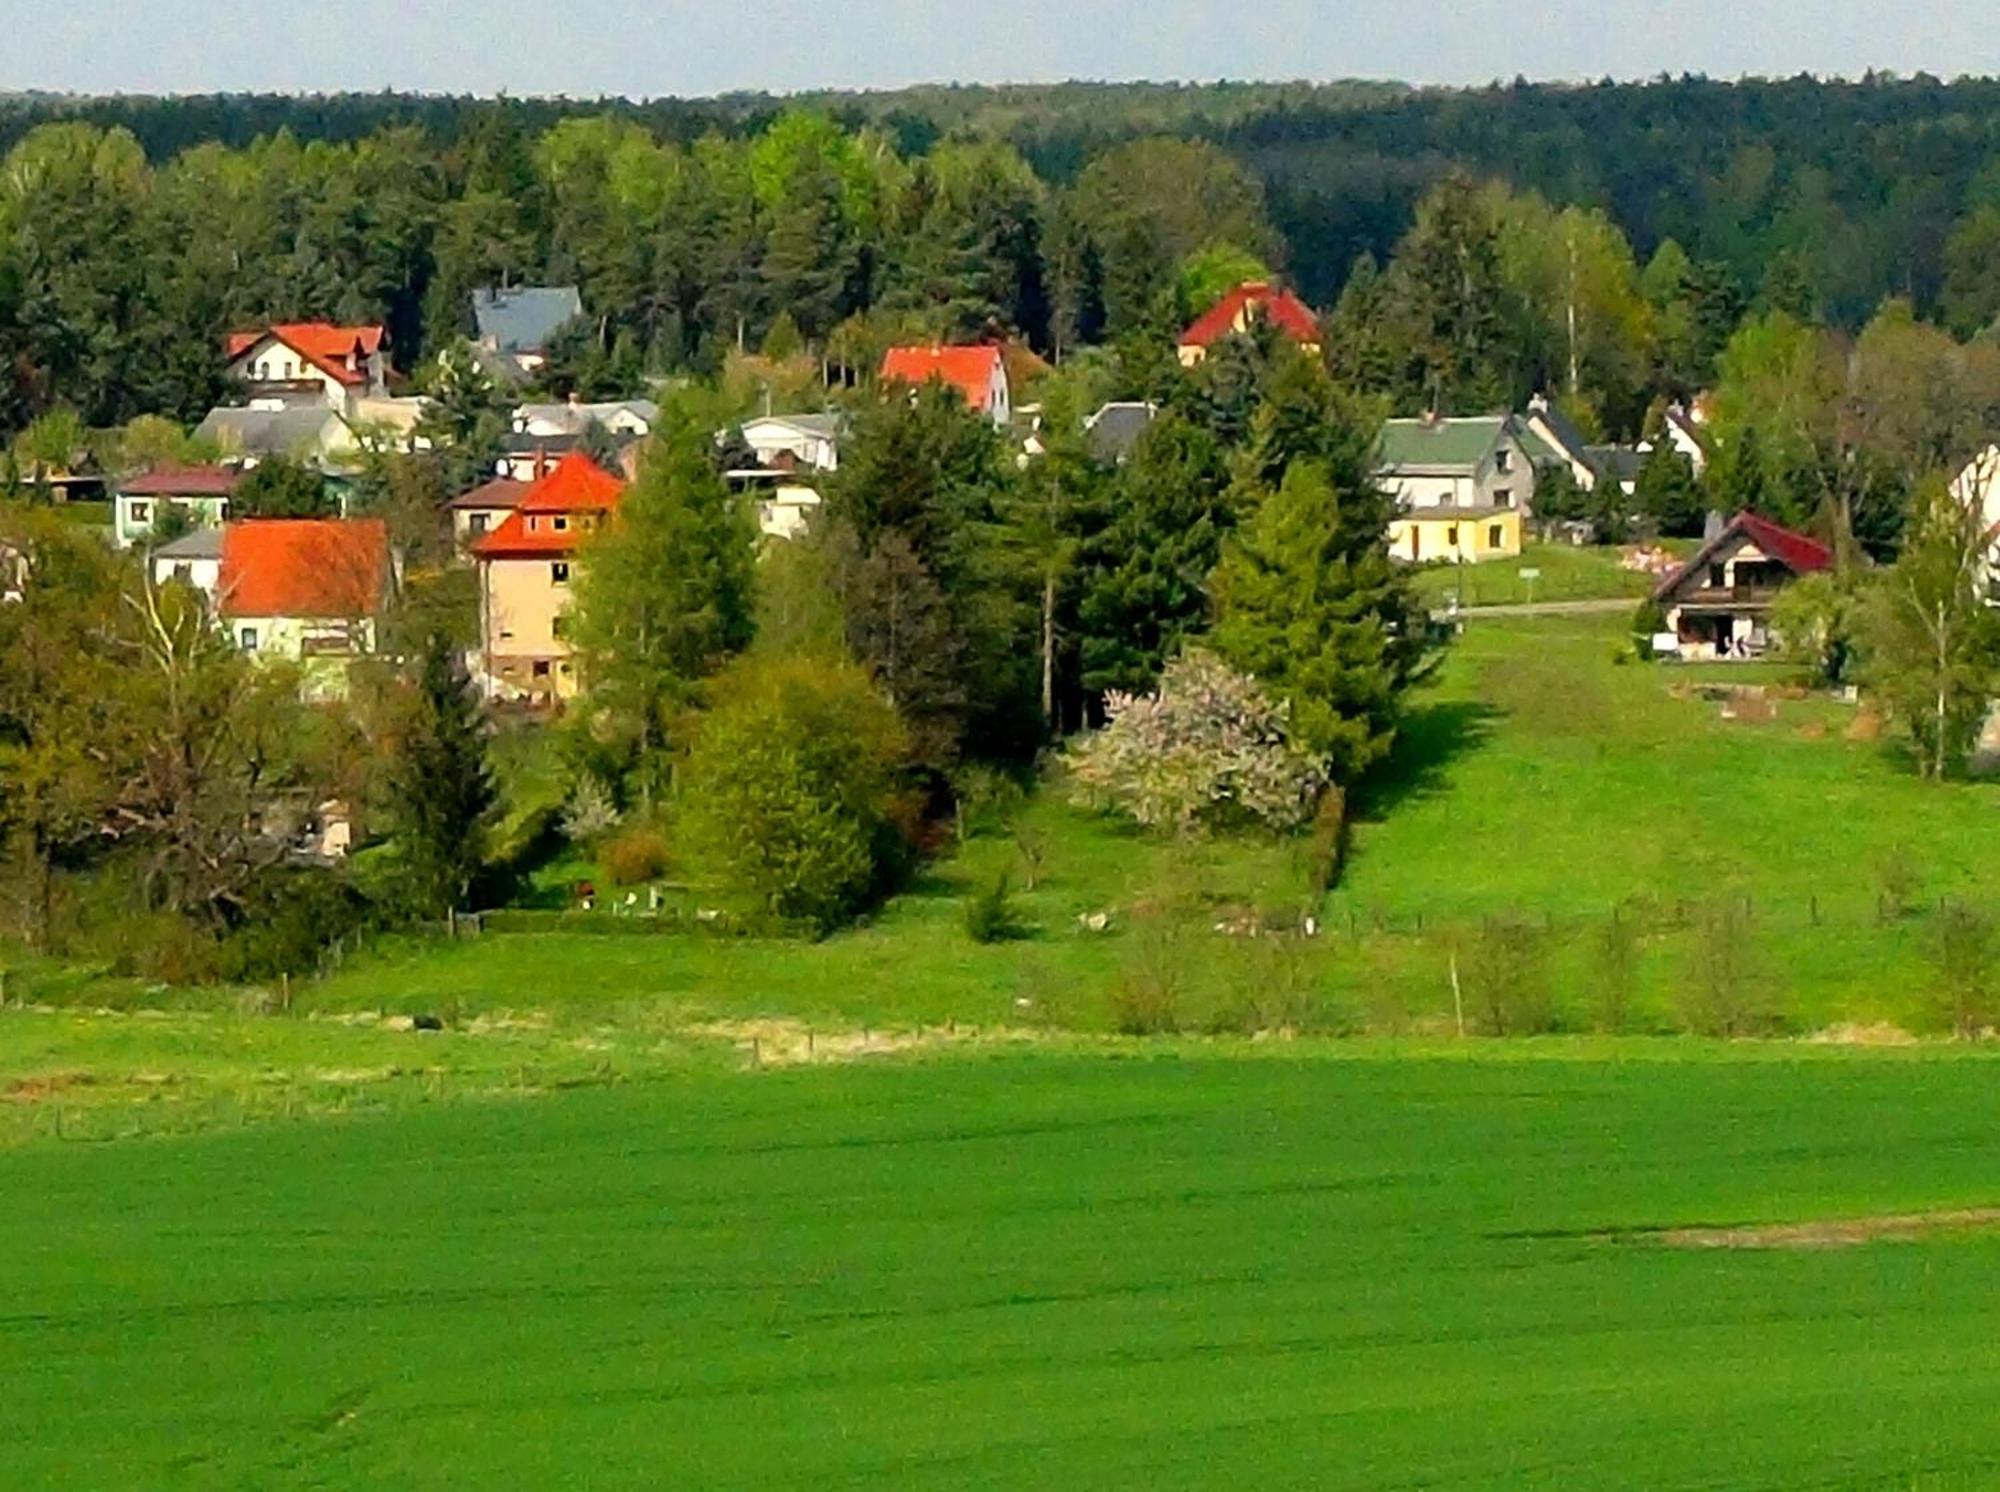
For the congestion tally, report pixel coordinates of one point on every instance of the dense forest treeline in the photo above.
(137, 229)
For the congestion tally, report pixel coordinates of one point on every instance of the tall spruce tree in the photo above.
(1666, 492)
(664, 593)
(441, 790)
(1310, 604)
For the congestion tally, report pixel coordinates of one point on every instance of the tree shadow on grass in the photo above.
(1431, 738)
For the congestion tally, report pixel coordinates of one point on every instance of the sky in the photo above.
(650, 48)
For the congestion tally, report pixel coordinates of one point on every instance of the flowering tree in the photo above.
(1209, 748)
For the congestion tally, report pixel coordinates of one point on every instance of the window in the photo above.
(476, 523)
(541, 668)
(1504, 498)
(559, 572)
(1451, 534)
(561, 523)
(142, 512)
(1715, 577)
(246, 638)
(184, 573)
(1494, 535)
(559, 627)
(1503, 461)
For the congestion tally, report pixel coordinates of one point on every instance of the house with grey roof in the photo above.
(1112, 432)
(574, 416)
(248, 434)
(514, 325)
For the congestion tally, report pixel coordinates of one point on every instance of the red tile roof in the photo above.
(1280, 307)
(324, 345)
(575, 485)
(1796, 552)
(183, 481)
(304, 567)
(967, 369)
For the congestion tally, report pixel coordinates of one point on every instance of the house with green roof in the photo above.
(1463, 487)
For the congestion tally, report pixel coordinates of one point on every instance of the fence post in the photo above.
(1815, 909)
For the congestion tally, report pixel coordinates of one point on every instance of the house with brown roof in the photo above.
(197, 495)
(310, 362)
(1718, 604)
(526, 566)
(1239, 311)
(978, 375)
(480, 510)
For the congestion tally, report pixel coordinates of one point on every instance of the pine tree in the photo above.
(440, 788)
(1667, 492)
(665, 593)
(1309, 603)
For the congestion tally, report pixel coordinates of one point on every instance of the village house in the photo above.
(525, 573)
(1463, 487)
(312, 434)
(478, 512)
(1718, 604)
(307, 591)
(194, 559)
(791, 455)
(197, 495)
(1684, 427)
(513, 326)
(977, 374)
(620, 417)
(301, 362)
(1239, 311)
(1977, 486)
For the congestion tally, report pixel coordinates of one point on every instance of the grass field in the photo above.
(1565, 572)
(1382, 1269)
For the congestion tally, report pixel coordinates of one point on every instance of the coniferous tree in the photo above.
(1309, 603)
(665, 593)
(441, 790)
(1667, 493)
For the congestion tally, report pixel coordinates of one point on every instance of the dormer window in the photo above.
(561, 523)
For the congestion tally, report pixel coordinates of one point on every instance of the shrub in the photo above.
(987, 799)
(785, 801)
(1723, 992)
(990, 916)
(1150, 992)
(1962, 961)
(635, 855)
(1210, 748)
(1506, 977)
(1896, 878)
(590, 810)
(1616, 974)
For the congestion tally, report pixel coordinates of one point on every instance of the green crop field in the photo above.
(1358, 1267)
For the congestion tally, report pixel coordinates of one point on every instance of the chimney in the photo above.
(541, 461)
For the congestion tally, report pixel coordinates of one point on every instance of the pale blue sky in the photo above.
(654, 47)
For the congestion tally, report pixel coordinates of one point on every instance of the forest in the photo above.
(137, 230)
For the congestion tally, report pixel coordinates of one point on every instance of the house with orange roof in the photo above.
(304, 362)
(977, 374)
(1240, 310)
(310, 591)
(526, 566)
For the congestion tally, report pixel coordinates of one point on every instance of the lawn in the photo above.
(1385, 1268)
(1565, 572)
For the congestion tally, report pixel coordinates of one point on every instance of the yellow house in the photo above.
(525, 571)
(1464, 536)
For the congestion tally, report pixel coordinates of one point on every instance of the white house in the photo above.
(194, 559)
(623, 417)
(1978, 487)
(198, 494)
(1681, 427)
(811, 440)
(793, 452)
(1436, 462)
(296, 362)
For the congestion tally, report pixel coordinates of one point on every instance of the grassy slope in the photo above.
(1047, 1272)
(1568, 573)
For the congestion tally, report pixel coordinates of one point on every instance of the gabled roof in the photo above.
(183, 481)
(266, 432)
(321, 343)
(304, 567)
(195, 544)
(499, 492)
(1796, 552)
(1277, 305)
(574, 485)
(524, 318)
(1563, 437)
(825, 426)
(1439, 444)
(967, 369)
(573, 418)
(1112, 432)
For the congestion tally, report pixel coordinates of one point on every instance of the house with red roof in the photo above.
(526, 566)
(307, 362)
(1239, 311)
(1718, 604)
(197, 495)
(310, 591)
(977, 374)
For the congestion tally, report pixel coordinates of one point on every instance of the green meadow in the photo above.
(1336, 1267)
